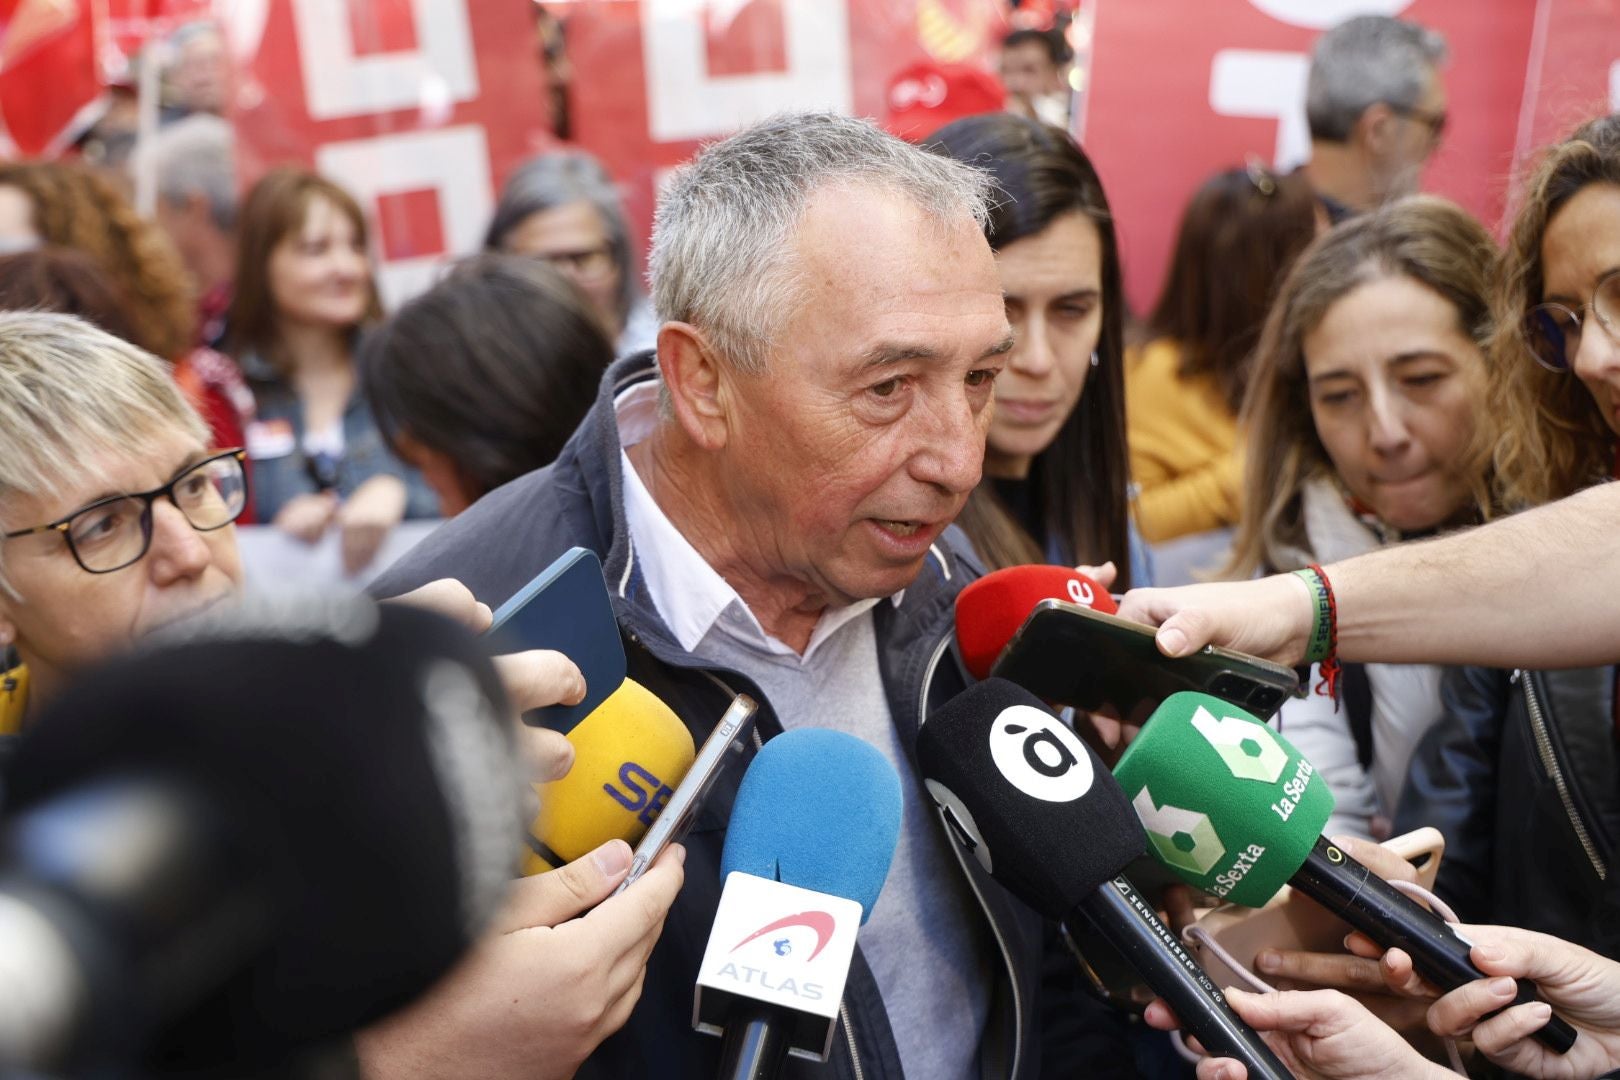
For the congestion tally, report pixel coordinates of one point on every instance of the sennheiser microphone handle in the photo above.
(1120, 914)
(1394, 920)
(756, 1042)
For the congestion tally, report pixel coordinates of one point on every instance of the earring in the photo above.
(1094, 360)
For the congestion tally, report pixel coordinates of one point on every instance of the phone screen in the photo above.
(566, 608)
(1076, 656)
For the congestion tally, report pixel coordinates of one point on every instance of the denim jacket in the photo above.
(275, 447)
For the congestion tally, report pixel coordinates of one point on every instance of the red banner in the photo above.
(1180, 89)
(418, 107)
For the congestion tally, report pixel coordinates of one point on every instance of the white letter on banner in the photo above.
(1265, 85)
(685, 102)
(453, 162)
(338, 83)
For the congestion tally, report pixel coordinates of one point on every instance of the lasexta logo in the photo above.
(1039, 755)
(1184, 839)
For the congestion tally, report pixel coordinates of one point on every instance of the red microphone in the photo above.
(990, 611)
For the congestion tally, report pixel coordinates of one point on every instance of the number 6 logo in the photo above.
(1250, 750)
(1183, 839)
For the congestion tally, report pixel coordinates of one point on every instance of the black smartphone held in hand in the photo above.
(566, 608)
(1076, 656)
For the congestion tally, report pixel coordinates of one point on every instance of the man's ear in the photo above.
(1376, 130)
(697, 383)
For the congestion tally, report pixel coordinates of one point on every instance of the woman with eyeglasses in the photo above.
(302, 294)
(1239, 235)
(1521, 777)
(562, 208)
(116, 520)
(114, 514)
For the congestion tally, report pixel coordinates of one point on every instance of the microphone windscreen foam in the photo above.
(1029, 797)
(819, 809)
(358, 755)
(990, 611)
(1230, 806)
(630, 753)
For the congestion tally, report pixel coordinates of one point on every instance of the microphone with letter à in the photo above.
(812, 833)
(1233, 809)
(250, 837)
(1032, 803)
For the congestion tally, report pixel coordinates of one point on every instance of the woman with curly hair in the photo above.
(1521, 775)
(68, 205)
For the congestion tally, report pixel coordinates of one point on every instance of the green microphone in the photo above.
(1233, 809)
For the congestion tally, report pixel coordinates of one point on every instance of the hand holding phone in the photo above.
(567, 608)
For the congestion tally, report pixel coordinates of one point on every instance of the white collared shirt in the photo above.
(689, 594)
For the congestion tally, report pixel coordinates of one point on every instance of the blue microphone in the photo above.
(812, 833)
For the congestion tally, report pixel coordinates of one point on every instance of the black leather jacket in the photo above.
(1523, 779)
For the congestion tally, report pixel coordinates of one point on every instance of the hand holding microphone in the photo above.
(1035, 807)
(1233, 809)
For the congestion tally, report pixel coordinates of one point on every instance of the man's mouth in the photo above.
(900, 528)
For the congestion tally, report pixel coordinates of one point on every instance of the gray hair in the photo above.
(722, 247)
(557, 179)
(1365, 61)
(197, 155)
(70, 392)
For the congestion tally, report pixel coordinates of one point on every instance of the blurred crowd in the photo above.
(1335, 363)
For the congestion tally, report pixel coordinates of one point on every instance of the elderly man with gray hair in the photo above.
(1376, 108)
(771, 493)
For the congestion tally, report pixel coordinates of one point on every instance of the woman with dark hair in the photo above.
(303, 291)
(1055, 463)
(562, 207)
(529, 355)
(1238, 237)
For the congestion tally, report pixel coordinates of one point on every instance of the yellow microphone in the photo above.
(629, 755)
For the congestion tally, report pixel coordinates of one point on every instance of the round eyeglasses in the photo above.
(115, 532)
(1554, 330)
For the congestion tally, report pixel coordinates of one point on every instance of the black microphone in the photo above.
(1035, 806)
(251, 836)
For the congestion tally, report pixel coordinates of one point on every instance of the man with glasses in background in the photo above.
(1376, 106)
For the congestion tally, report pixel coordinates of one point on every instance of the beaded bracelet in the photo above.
(1323, 646)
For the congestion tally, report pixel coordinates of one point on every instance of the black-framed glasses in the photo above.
(1434, 121)
(115, 532)
(588, 265)
(1554, 330)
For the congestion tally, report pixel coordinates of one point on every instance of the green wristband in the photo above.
(1321, 640)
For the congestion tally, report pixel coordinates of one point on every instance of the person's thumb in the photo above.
(1183, 633)
(559, 895)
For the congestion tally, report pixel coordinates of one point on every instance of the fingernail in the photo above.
(1172, 642)
(680, 853)
(1268, 960)
(1540, 1010)
(1504, 987)
(1342, 841)
(612, 858)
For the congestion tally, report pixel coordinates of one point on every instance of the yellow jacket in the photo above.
(1186, 459)
(13, 699)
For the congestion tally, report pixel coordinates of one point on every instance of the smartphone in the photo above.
(1076, 656)
(566, 608)
(673, 821)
